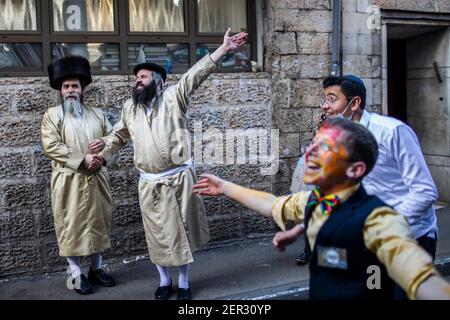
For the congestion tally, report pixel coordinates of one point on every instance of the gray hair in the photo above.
(157, 77)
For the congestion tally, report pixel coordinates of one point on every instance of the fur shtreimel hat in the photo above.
(69, 67)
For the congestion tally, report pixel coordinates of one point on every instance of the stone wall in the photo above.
(27, 239)
(298, 55)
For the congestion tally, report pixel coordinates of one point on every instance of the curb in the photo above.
(289, 291)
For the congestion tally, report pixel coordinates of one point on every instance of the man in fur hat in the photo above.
(81, 200)
(155, 119)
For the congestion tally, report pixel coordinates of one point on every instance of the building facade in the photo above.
(249, 122)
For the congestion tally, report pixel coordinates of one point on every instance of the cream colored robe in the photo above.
(81, 200)
(174, 217)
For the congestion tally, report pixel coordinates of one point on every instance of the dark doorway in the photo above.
(396, 78)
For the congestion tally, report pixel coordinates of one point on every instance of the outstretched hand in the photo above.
(234, 42)
(209, 185)
(229, 43)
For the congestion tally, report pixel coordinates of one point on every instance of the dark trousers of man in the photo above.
(305, 256)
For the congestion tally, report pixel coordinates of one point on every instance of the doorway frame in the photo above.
(405, 18)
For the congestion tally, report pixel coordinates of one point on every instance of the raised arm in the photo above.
(198, 73)
(259, 201)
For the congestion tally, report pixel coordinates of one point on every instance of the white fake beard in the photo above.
(74, 107)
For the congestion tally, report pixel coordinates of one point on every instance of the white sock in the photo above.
(74, 263)
(96, 261)
(164, 276)
(183, 278)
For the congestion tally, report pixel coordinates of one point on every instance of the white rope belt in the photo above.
(156, 176)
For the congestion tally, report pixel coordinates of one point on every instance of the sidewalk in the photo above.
(247, 270)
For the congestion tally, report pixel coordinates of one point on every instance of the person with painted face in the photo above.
(155, 119)
(80, 191)
(401, 177)
(350, 231)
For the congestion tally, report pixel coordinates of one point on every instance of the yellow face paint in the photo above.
(326, 158)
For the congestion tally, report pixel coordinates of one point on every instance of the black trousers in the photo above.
(429, 244)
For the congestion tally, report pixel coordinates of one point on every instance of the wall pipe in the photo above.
(336, 39)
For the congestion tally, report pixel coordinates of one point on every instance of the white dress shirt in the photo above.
(401, 177)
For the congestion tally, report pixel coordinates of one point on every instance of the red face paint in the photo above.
(326, 158)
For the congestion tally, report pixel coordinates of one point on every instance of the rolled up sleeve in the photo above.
(290, 208)
(387, 234)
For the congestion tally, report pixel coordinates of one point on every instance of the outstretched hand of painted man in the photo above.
(209, 185)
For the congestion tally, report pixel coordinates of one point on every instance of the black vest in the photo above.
(344, 230)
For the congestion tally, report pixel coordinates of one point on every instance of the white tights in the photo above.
(183, 278)
(74, 263)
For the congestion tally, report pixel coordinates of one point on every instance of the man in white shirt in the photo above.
(400, 177)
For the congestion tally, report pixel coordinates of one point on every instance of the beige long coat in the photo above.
(81, 201)
(174, 217)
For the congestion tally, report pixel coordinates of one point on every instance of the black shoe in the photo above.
(101, 277)
(85, 287)
(184, 294)
(302, 259)
(163, 292)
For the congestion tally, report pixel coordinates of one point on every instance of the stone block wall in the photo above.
(361, 49)
(27, 240)
(298, 56)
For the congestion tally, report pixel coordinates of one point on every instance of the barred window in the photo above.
(115, 35)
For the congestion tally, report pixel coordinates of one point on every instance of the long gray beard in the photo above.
(72, 107)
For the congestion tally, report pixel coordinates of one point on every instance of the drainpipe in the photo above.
(336, 39)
